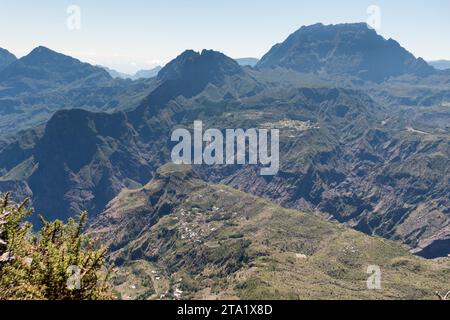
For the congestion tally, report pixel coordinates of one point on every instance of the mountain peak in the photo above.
(344, 49)
(208, 64)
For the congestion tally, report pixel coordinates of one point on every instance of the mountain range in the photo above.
(6, 58)
(33, 87)
(364, 143)
(247, 61)
(440, 64)
(150, 73)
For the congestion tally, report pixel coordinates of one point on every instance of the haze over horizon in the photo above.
(143, 34)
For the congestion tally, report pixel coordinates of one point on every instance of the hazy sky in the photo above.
(135, 34)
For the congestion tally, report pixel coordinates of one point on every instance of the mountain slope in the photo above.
(43, 69)
(118, 150)
(6, 58)
(150, 73)
(192, 239)
(344, 49)
(373, 167)
(112, 158)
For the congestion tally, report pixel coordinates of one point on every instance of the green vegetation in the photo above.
(59, 262)
(220, 243)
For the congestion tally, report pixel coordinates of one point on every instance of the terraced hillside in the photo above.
(180, 237)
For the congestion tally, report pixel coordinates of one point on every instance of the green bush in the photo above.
(59, 262)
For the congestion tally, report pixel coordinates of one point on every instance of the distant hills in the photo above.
(208, 66)
(345, 49)
(33, 87)
(247, 61)
(45, 69)
(141, 74)
(6, 58)
(186, 236)
(38, 84)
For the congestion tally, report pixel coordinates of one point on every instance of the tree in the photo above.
(59, 262)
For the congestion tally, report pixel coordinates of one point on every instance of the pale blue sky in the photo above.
(134, 34)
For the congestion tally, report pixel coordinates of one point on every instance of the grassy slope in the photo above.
(212, 241)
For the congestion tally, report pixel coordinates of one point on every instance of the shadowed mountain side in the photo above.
(187, 76)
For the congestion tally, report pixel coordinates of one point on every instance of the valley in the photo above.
(363, 177)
